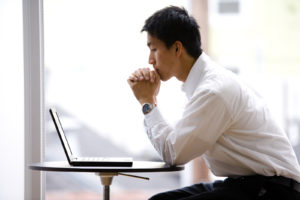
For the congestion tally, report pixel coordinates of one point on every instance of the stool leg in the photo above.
(106, 180)
(106, 193)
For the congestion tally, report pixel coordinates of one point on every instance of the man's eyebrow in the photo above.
(149, 44)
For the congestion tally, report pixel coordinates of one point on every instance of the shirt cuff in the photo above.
(152, 118)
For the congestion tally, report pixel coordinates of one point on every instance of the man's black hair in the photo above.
(172, 24)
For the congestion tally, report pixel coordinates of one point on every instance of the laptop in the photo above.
(85, 161)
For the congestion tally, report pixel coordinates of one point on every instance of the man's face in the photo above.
(162, 58)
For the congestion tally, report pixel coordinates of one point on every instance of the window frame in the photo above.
(34, 181)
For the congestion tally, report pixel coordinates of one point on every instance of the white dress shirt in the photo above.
(226, 122)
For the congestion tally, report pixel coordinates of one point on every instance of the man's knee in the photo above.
(163, 196)
(157, 197)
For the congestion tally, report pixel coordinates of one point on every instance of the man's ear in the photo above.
(178, 47)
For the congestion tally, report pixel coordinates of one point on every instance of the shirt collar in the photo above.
(195, 75)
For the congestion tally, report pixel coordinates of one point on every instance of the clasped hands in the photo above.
(145, 84)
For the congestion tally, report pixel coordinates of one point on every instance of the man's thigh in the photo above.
(222, 193)
(219, 190)
(186, 191)
(248, 188)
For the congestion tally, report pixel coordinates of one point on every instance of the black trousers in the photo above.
(243, 188)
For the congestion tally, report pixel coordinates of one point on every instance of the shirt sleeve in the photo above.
(205, 118)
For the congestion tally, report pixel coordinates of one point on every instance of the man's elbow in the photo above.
(176, 161)
(180, 161)
(172, 157)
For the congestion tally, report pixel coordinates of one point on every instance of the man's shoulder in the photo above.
(219, 83)
(217, 79)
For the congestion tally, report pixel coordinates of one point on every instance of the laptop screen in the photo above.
(62, 136)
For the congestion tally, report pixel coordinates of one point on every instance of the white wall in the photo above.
(11, 101)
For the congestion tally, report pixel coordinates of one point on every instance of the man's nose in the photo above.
(151, 60)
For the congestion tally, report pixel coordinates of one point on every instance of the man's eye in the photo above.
(153, 50)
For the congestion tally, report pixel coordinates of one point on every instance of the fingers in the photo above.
(155, 75)
(133, 78)
(152, 76)
(142, 74)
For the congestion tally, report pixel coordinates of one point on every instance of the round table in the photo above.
(107, 173)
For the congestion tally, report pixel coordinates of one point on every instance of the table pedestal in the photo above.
(106, 180)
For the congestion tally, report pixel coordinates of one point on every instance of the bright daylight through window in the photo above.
(91, 47)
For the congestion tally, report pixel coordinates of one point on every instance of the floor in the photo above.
(87, 195)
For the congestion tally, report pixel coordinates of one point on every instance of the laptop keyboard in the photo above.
(103, 159)
(92, 159)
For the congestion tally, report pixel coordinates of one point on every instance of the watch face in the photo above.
(146, 108)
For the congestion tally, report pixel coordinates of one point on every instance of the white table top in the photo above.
(137, 166)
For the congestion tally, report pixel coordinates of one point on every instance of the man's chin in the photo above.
(162, 78)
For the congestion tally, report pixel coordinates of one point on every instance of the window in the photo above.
(232, 7)
(91, 47)
(11, 100)
(230, 13)
(74, 53)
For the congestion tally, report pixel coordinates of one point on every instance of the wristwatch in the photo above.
(147, 107)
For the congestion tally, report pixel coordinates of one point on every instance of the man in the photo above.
(224, 121)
